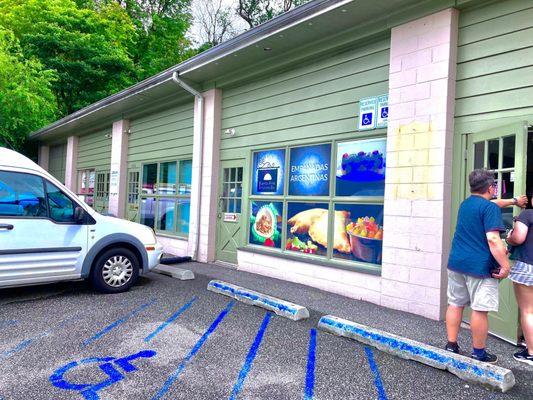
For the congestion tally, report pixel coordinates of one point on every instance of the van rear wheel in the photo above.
(115, 271)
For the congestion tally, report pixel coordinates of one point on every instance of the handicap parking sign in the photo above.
(367, 119)
(367, 113)
(383, 111)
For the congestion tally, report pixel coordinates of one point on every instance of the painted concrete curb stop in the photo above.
(280, 307)
(464, 367)
(174, 272)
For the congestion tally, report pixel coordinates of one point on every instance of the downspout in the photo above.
(200, 98)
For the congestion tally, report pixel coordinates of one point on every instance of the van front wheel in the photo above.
(115, 271)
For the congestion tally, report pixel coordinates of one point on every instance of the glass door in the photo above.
(502, 150)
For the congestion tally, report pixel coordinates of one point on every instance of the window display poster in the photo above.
(266, 223)
(358, 232)
(307, 228)
(269, 172)
(309, 170)
(360, 169)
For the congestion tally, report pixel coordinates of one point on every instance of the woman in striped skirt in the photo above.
(521, 237)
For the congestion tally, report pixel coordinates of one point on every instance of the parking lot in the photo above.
(171, 339)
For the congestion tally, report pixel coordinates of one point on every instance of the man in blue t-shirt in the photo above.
(478, 258)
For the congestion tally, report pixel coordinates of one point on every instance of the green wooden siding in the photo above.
(94, 150)
(494, 68)
(163, 135)
(57, 160)
(311, 102)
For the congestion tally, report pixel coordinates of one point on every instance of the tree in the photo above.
(26, 99)
(255, 12)
(89, 50)
(214, 22)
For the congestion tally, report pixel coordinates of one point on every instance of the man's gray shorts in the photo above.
(481, 294)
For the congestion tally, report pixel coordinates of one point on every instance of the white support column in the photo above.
(210, 175)
(71, 163)
(44, 156)
(420, 134)
(119, 168)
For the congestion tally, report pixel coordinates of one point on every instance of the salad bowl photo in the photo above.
(366, 240)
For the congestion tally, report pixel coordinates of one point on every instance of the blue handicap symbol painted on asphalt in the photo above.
(367, 119)
(385, 112)
(107, 364)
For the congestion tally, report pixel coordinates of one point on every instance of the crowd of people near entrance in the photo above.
(480, 259)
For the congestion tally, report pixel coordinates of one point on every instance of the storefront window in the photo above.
(307, 228)
(358, 232)
(360, 169)
(268, 172)
(309, 170)
(343, 224)
(165, 196)
(266, 223)
(86, 179)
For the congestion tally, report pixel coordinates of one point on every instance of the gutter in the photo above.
(175, 78)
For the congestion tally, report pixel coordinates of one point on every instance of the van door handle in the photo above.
(7, 227)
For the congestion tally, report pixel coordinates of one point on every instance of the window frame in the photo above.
(79, 181)
(330, 200)
(157, 197)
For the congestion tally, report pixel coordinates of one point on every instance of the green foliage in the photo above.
(26, 98)
(163, 46)
(89, 50)
(255, 12)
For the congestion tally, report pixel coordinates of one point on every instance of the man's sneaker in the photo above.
(452, 347)
(523, 356)
(487, 357)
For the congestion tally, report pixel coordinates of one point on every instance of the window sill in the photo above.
(338, 264)
(171, 236)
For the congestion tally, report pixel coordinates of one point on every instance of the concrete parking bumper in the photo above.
(174, 272)
(464, 367)
(280, 307)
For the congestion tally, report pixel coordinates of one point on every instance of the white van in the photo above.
(47, 234)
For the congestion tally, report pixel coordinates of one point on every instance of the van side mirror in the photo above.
(79, 215)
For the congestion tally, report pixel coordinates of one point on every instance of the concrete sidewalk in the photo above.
(399, 323)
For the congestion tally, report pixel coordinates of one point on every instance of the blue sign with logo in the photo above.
(310, 170)
(269, 171)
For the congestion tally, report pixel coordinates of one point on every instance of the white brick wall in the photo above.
(420, 134)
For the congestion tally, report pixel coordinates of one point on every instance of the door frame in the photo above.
(233, 163)
(520, 131)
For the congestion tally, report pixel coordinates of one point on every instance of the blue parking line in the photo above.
(193, 352)
(310, 373)
(27, 342)
(250, 357)
(375, 371)
(171, 319)
(7, 323)
(117, 323)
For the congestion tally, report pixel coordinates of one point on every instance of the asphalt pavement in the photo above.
(172, 339)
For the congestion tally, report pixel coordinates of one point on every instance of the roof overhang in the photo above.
(262, 46)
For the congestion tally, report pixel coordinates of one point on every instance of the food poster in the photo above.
(358, 232)
(309, 170)
(266, 223)
(361, 168)
(268, 172)
(307, 228)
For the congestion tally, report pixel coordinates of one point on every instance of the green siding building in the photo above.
(329, 146)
